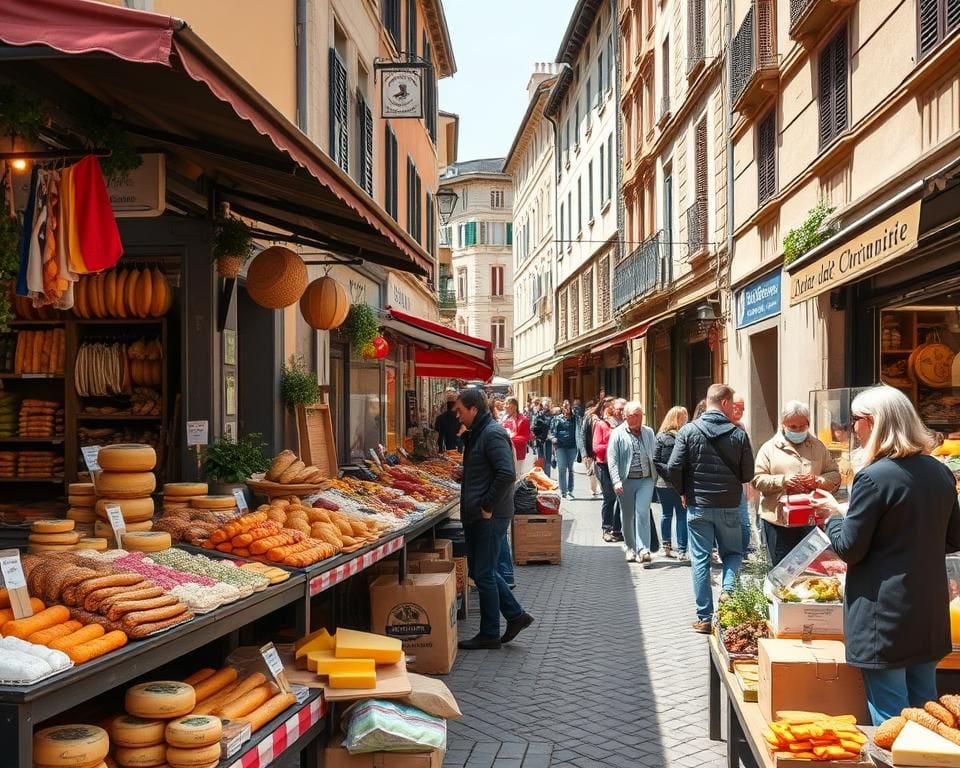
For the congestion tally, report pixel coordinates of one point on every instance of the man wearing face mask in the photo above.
(792, 461)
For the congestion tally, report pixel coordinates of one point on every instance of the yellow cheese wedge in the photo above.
(918, 746)
(315, 656)
(324, 664)
(315, 641)
(353, 679)
(364, 645)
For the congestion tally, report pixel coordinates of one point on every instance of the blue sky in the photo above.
(496, 43)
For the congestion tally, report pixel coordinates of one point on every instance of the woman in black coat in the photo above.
(903, 517)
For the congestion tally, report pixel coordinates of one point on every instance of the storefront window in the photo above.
(366, 417)
(392, 401)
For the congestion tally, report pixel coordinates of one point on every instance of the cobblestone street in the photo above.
(610, 675)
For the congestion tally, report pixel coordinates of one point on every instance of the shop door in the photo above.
(258, 363)
(699, 373)
(762, 407)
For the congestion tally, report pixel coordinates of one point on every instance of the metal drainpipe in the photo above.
(556, 194)
(301, 42)
(728, 126)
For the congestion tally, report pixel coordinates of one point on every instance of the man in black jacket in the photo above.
(486, 508)
(711, 461)
(447, 427)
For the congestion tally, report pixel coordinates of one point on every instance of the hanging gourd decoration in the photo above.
(276, 278)
(324, 305)
(381, 348)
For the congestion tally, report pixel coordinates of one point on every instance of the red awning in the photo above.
(444, 364)
(440, 351)
(633, 333)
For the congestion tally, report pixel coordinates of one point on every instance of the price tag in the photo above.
(403, 453)
(16, 583)
(301, 692)
(235, 735)
(90, 455)
(373, 455)
(115, 516)
(198, 432)
(272, 658)
(241, 499)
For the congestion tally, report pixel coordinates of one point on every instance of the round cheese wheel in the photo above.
(186, 490)
(102, 528)
(195, 757)
(129, 731)
(82, 514)
(70, 537)
(81, 489)
(126, 457)
(82, 500)
(146, 541)
(171, 506)
(194, 731)
(163, 698)
(52, 526)
(36, 549)
(133, 510)
(97, 544)
(141, 757)
(78, 746)
(126, 485)
(213, 502)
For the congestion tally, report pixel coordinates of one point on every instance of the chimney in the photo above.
(541, 71)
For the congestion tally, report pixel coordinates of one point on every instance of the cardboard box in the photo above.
(422, 612)
(336, 756)
(442, 547)
(811, 676)
(812, 621)
(537, 537)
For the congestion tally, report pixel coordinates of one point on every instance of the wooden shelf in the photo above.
(31, 479)
(15, 439)
(121, 321)
(116, 417)
(896, 351)
(31, 376)
(28, 323)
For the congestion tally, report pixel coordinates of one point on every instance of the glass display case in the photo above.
(830, 417)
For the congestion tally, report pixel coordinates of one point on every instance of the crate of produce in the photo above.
(537, 538)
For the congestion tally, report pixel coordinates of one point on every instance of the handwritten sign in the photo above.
(241, 499)
(119, 525)
(272, 659)
(198, 432)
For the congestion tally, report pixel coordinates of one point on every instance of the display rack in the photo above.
(288, 733)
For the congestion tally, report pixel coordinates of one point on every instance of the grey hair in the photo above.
(632, 407)
(795, 408)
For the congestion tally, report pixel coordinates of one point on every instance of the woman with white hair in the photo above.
(903, 517)
(792, 461)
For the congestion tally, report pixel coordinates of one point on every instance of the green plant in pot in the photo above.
(232, 245)
(298, 386)
(227, 463)
(9, 263)
(361, 327)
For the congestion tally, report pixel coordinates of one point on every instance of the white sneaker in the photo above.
(631, 556)
(644, 557)
(623, 546)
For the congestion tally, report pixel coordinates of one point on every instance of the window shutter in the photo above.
(471, 233)
(929, 27)
(509, 233)
(953, 15)
(365, 143)
(431, 235)
(701, 160)
(338, 111)
(840, 83)
(825, 96)
(412, 27)
(767, 157)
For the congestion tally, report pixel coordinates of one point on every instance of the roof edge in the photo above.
(586, 10)
(438, 19)
(542, 89)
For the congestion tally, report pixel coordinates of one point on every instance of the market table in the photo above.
(745, 723)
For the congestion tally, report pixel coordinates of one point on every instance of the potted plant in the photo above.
(232, 245)
(9, 263)
(361, 327)
(227, 463)
(298, 386)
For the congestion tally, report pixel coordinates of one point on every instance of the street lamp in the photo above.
(446, 201)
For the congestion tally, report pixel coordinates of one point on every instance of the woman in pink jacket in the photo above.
(610, 511)
(518, 427)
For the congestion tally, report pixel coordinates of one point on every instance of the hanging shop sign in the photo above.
(405, 297)
(859, 256)
(401, 91)
(759, 300)
(143, 192)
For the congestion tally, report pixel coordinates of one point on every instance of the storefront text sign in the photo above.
(759, 300)
(401, 94)
(858, 256)
(143, 191)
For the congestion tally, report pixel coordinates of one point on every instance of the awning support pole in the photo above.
(228, 288)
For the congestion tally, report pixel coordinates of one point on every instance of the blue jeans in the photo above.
(610, 511)
(505, 560)
(706, 525)
(891, 690)
(745, 522)
(671, 506)
(566, 458)
(483, 539)
(635, 512)
(545, 452)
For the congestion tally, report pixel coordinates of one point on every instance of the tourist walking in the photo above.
(610, 511)
(563, 435)
(711, 460)
(540, 426)
(633, 474)
(902, 517)
(792, 461)
(447, 426)
(486, 509)
(671, 505)
(518, 429)
(585, 446)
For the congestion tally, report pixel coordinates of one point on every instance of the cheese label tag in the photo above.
(91, 453)
(373, 455)
(115, 516)
(403, 453)
(235, 735)
(16, 583)
(301, 692)
(241, 499)
(272, 659)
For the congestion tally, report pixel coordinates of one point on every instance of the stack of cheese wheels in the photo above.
(178, 495)
(127, 480)
(215, 503)
(82, 499)
(53, 535)
(78, 746)
(193, 741)
(139, 736)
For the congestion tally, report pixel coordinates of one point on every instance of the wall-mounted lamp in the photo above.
(18, 164)
(446, 202)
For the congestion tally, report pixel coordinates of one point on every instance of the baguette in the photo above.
(211, 704)
(216, 682)
(244, 705)
(269, 710)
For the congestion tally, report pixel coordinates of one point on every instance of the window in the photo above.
(936, 20)
(603, 170)
(562, 233)
(590, 191)
(570, 216)
(414, 202)
(832, 98)
(412, 27)
(495, 233)
(609, 62)
(576, 125)
(496, 281)
(462, 284)
(391, 171)
(600, 73)
(339, 110)
(767, 157)
(467, 234)
(446, 236)
(429, 91)
(390, 15)
(461, 325)
(579, 204)
(665, 63)
(566, 141)
(498, 332)
(465, 197)
(588, 101)
(364, 143)
(431, 234)
(609, 166)
(496, 198)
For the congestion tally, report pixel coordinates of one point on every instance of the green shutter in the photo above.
(471, 233)
(509, 233)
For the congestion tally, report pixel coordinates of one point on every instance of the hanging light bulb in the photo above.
(18, 164)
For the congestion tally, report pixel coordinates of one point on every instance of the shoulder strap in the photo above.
(720, 454)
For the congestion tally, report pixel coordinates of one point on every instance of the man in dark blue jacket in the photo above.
(711, 461)
(486, 509)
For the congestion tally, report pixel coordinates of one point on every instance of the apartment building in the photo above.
(480, 234)
(846, 139)
(531, 163)
(582, 107)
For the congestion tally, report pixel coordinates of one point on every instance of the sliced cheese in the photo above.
(70, 745)
(126, 457)
(194, 731)
(315, 641)
(160, 699)
(126, 485)
(353, 680)
(129, 731)
(333, 665)
(352, 644)
(917, 746)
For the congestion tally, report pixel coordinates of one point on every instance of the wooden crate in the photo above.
(537, 538)
(317, 445)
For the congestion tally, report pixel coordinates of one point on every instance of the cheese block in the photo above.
(52, 526)
(81, 500)
(213, 502)
(320, 640)
(94, 543)
(194, 731)
(82, 514)
(363, 680)
(193, 757)
(126, 457)
(352, 644)
(130, 731)
(102, 529)
(918, 746)
(126, 485)
(146, 541)
(166, 699)
(81, 489)
(187, 490)
(324, 664)
(70, 537)
(133, 510)
(77, 746)
(141, 757)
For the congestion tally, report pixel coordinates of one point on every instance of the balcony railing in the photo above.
(809, 17)
(642, 272)
(697, 228)
(755, 73)
(447, 299)
(696, 35)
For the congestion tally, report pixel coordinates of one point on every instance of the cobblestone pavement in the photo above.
(609, 675)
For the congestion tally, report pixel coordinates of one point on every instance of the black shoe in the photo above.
(479, 642)
(516, 626)
(617, 536)
(512, 586)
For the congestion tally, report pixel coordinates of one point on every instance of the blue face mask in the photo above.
(795, 437)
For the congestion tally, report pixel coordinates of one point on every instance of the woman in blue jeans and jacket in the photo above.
(563, 435)
(671, 505)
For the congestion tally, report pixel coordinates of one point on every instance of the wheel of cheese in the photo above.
(127, 457)
(194, 731)
(97, 544)
(166, 699)
(81, 500)
(141, 757)
(82, 514)
(187, 490)
(81, 489)
(36, 549)
(213, 502)
(102, 528)
(133, 510)
(130, 731)
(126, 485)
(171, 506)
(77, 746)
(70, 537)
(52, 526)
(146, 541)
(193, 757)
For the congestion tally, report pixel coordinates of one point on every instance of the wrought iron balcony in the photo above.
(696, 35)
(755, 72)
(697, 228)
(643, 272)
(447, 300)
(810, 17)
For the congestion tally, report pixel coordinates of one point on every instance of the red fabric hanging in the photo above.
(96, 226)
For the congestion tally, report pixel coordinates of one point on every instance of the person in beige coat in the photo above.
(792, 461)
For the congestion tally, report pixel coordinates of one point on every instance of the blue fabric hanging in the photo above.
(26, 233)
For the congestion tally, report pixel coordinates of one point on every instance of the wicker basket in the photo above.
(277, 278)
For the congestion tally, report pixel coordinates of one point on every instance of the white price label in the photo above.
(236, 741)
(373, 455)
(119, 525)
(403, 453)
(272, 659)
(301, 692)
(241, 499)
(198, 432)
(91, 454)
(12, 571)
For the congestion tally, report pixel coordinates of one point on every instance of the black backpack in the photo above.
(586, 432)
(541, 426)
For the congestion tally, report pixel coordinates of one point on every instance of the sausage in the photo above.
(121, 607)
(145, 630)
(113, 580)
(130, 593)
(153, 615)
